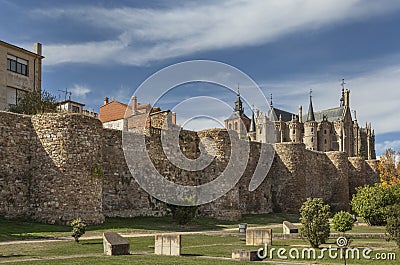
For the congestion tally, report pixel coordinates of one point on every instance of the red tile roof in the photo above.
(113, 111)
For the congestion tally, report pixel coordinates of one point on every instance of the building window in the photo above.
(230, 126)
(294, 131)
(312, 129)
(236, 126)
(324, 131)
(312, 139)
(76, 109)
(17, 65)
(325, 141)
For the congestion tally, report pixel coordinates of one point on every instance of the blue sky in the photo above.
(108, 48)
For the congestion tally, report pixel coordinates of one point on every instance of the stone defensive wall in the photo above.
(55, 167)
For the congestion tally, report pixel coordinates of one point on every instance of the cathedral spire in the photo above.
(270, 102)
(253, 122)
(342, 98)
(310, 116)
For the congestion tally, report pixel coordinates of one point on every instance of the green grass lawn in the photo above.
(22, 229)
(196, 249)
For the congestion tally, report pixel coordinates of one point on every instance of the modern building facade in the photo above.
(20, 72)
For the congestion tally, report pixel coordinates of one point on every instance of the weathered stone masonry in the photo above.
(55, 167)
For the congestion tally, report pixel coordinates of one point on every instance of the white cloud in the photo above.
(147, 35)
(382, 147)
(80, 91)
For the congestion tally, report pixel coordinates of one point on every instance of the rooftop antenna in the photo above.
(66, 93)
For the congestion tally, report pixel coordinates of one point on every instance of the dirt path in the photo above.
(128, 234)
(51, 258)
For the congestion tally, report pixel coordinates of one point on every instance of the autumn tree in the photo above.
(389, 167)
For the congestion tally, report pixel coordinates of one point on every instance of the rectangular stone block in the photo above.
(245, 255)
(114, 244)
(167, 244)
(258, 236)
(289, 228)
(242, 228)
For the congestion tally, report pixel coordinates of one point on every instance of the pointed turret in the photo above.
(310, 116)
(270, 102)
(253, 122)
(342, 98)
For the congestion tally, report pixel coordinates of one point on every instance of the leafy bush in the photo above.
(78, 228)
(314, 216)
(370, 202)
(393, 223)
(35, 103)
(343, 222)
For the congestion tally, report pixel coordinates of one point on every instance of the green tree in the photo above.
(78, 229)
(370, 202)
(342, 222)
(393, 223)
(35, 103)
(314, 217)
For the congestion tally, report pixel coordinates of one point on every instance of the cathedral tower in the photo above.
(310, 128)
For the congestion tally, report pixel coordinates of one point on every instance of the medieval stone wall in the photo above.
(56, 167)
(122, 195)
(67, 169)
(15, 161)
(297, 174)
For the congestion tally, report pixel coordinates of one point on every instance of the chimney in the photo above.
(37, 48)
(173, 117)
(105, 100)
(134, 105)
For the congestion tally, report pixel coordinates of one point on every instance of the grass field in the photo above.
(21, 229)
(196, 248)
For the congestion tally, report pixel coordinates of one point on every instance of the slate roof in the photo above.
(286, 116)
(235, 115)
(333, 114)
